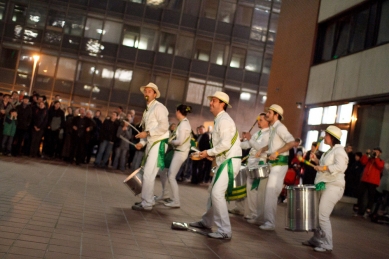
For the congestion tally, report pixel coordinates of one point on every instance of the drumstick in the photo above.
(318, 143)
(126, 140)
(245, 158)
(253, 125)
(301, 159)
(126, 122)
(195, 149)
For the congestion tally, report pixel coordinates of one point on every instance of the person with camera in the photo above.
(370, 180)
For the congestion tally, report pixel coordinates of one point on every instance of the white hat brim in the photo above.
(142, 89)
(210, 97)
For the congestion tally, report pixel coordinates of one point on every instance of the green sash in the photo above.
(230, 170)
(256, 181)
(320, 186)
(161, 153)
(281, 160)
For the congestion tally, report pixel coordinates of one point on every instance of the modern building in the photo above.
(97, 53)
(331, 66)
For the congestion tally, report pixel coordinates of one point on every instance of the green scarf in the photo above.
(230, 170)
(161, 153)
(320, 186)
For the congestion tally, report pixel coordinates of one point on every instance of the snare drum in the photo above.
(262, 171)
(134, 181)
(239, 190)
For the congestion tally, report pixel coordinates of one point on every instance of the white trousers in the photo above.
(217, 211)
(177, 160)
(327, 199)
(150, 172)
(163, 177)
(274, 186)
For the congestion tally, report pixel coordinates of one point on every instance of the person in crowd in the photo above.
(132, 115)
(138, 154)
(295, 151)
(181, 142)
(309, 174)
(22, 129)
(68, 130)
(56, 98)
(280, 142)
(5, 107)
(124, 134)
(9, 130)
(121, 115)
(40, 118)
(330, 183)
(15, 99)
(255, 188)
(201, 168)
(81, 125)
(227, 152)
(107, 138)
(348, 173)
(370, 179)
(132, 149)
(93, 144)
(355, 175)
(56, 122)
(155, 133)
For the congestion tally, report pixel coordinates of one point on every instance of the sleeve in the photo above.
(284, 134)
(119, 132)
(183, 133)
(340, 162)
(161, 114)
(257, 145)
(245, 145)
(227, 131)
(379, 163)
(364, 159)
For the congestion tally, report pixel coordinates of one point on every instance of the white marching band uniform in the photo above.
(222, 136)
(255, 198)
(181, 145)
(279, 136)
(155, 121)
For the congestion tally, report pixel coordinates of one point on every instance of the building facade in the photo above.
(97, 53)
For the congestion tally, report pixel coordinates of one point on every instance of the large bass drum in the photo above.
(134, 181)
(303, 207)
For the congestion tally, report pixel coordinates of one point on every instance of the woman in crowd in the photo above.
(330, 183)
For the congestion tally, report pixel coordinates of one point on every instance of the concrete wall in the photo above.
(329, 8)
(358, 75)
(292, 59)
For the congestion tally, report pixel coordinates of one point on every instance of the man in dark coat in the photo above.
(24, 120)
(201, 168)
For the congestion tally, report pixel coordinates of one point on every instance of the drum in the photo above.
(303, 207)
(239, 190)
(134, 181)
(213, 171)
(262, 171)
(241, 177)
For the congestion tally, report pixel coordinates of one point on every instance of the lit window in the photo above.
(314, 117)
(329, 115)
(344, 113)
(311, 137)
(343, 139)
(210, 90)
(195, 93)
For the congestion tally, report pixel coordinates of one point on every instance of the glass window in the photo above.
(210, 90)
(328, 42)
(219, 54)
(9, 58)
(176, 90)
(314, 117)
(184, 46)
(227, 12)
(53, 38)
(123, 79)
(244, 15)
(131, 35)
(47, 65)
(2, 7)
(37, 16)
(74, 24)
(329, 115)
(238, 56)
(343, 138)
(312, 136)
(358, 34)
(162, 83)
(112, 32)
(210, 8)
(93, 28)
(273, 25)
(203, 50)
(66, 68)
(147, 39)
(383, 32)
(19, 14)
(192, 7)
(342, 37)
(260, 22)
(56, 20)
(344, 113)
(253, 61)
(175, 5)
(26, 62)
(195, 93)
(167, 43)
(85, 72)
(139, 78)
(103, 75)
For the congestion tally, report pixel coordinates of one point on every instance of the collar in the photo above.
(275, 123)
(223, 111)
(152, 102)
(264, 130)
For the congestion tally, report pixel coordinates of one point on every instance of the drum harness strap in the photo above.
(161, 153)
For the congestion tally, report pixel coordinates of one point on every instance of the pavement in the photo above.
(49, 209)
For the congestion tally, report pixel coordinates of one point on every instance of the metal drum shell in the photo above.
(134, 181)
(303, 208)
(262, 171)
(241, 177)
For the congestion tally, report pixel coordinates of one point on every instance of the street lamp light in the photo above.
(36, 58)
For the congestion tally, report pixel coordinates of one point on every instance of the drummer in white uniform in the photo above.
(155, 134)
(330, 182)
(226, 149)
(280, 142)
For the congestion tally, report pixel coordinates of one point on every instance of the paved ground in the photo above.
(49, 209)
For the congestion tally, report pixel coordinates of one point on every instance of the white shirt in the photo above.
(259, 140)
(222, 135)
(279, 136)
(182, 133)
(336, 159)
(156, 122)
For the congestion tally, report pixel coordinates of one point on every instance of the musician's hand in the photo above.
(273, 156)
(143, 134)
(258, 153)
(313, 158)
(139, 146)
(319, 168)
(247, 135)
(210, 158)
(203, 154)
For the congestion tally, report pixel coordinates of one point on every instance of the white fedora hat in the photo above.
(151, 85)
(278, 109)
(222, 97)
(334, 131)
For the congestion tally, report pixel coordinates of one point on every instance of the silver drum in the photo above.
(241, 177)
(262, 171)
(134, 181)
(303, 208)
